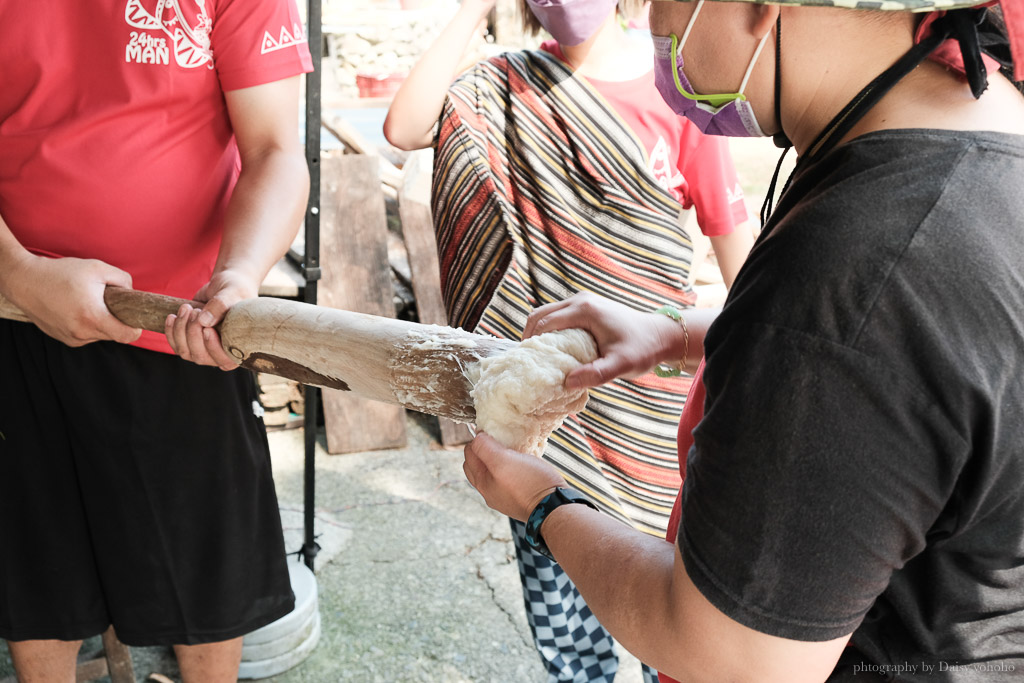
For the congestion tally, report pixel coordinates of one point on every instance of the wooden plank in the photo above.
(119, 658)
(284, 280)
(356, 143)
(283, 402)
(280, 395)
(424, 268)
(91, 670)
(348, 134)
(356, 277)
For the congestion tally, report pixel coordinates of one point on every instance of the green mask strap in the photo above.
(716, 101)
(713, 100)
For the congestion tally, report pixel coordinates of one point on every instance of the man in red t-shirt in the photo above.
(143, 144)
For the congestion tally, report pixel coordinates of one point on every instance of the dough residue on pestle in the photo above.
(520, 396)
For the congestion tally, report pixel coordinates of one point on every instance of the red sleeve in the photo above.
(258, 41)
(693, 411)
(712, 186)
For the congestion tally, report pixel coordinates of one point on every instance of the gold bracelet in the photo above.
(674, 370)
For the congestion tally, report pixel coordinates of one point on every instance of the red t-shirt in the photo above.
(693, 411)
(695, 168)
(115, 137)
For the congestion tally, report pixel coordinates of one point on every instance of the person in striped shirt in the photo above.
(557, 171)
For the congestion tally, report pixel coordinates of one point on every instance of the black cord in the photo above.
(780, 139)
(847, 118)
(964, 26)
(766, 207)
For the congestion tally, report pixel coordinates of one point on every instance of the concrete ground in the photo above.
(417, 578)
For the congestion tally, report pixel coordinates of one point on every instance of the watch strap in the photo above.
(560, 496)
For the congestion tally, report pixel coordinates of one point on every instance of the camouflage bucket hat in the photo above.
(1012, 10)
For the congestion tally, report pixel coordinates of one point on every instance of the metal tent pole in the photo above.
(311, 263)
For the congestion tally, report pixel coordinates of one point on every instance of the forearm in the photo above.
(639, 590)
(684, 340)
(264, 213)
(624, 576)
(731, 251)
(417, 105)
(12, 256)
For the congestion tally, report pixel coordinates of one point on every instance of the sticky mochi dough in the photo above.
(519, 395)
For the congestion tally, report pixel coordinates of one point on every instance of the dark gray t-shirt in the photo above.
(860, 465)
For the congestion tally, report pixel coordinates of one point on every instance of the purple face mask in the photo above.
(571, 22)
(727, 114)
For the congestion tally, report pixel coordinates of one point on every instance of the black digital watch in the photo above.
(560, 496)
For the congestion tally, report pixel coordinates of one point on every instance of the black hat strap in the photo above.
(867, 98)
(854, 111)
(780, 139)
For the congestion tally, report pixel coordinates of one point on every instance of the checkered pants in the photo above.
(574, 647)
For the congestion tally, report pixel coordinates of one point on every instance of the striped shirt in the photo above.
(541, 191)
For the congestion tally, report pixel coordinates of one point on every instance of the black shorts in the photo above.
(135, 489)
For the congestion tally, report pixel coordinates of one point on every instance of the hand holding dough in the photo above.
(520, 395)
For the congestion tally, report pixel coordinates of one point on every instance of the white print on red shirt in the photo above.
(284, 39)
(189, 30)
(663, 169)
(735, 194)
